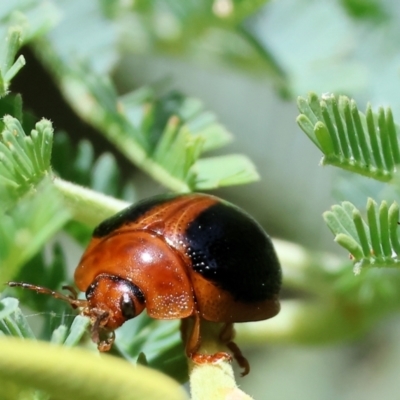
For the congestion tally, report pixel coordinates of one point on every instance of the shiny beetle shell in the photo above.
(180, 255)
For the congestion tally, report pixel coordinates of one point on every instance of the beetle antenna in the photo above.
(71, 298)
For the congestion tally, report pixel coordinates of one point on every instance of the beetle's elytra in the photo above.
(178, 256)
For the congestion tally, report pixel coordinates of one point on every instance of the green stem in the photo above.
(380, 174)
(88, 206)
(72, 373)
(213, 381)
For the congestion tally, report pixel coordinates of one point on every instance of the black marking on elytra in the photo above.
(229, 248)
(129, 214)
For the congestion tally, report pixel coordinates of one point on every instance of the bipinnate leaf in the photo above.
(365, 143)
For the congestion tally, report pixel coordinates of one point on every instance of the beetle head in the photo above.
(118, 297)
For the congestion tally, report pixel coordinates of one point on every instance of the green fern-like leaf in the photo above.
(165, 137)
(9, 47)
(24, 160)
(363, 143)
(172, 158)
(374, 242)
(14, 323)
(214, 172)
(20, 23)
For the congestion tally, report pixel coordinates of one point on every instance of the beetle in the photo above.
(192, 257)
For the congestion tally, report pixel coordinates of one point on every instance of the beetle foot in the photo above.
(102, 336)
(239, 357)
(226, 336)
(216, 358)
(106, 344)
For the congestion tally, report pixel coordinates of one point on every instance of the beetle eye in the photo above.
(127, 305)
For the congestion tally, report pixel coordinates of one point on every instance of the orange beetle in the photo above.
(178, 256)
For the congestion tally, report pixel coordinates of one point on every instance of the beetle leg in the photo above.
(98, 332)
(227, 334)
(71, 299)
(192, 339)
(73, 293)
(183, 329)
(106, 344)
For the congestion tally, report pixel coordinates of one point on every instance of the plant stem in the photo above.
(88, 206)
(213, 381)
